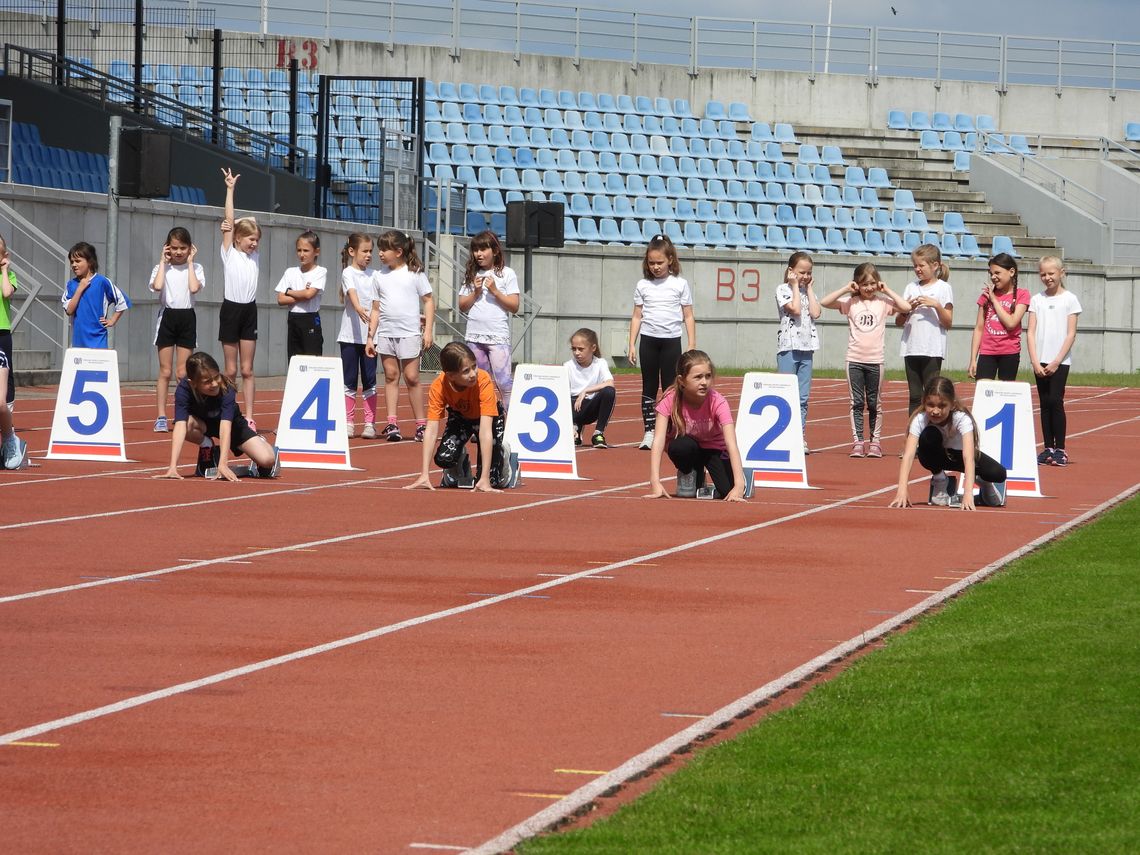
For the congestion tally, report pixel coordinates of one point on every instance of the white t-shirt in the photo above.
(240, 271)
(923, 334)
(661, 301)
(175, 293)
(1053, 324)
(951, 430)
(297, 280)
(487, 321)
(352, 329)
(583, 377)
(399, 292)
(795, 333)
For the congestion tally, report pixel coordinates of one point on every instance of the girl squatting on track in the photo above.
(205, 411)
(591, 387)
(943, 435)
(1052, 331)
(662, 304)
(694, 426)
(867, 303)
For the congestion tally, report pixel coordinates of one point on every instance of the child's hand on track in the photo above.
(171, 474)
(422, 481)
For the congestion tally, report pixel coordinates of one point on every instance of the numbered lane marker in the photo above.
(312, 433)
(88, 420)
(539, 425)
(1004, 414)
(769, 433)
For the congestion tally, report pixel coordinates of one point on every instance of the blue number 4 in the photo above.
(318, 401)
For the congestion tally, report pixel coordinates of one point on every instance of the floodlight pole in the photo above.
(827, 45)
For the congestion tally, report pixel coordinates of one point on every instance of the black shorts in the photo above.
(304, 334)
(240, 432)
(177, 328)
(237, 322)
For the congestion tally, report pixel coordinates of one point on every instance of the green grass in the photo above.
(1075, 378)
(1007, 722)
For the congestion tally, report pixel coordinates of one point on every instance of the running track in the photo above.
(330, 663)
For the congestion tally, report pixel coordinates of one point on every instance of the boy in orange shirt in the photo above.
(465, 394)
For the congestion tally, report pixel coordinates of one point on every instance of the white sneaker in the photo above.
(991, 494)
(939, 492)
(647, 441)
(13, 453)
(509, 469)
(369, 431)
(351, 430)
(687, 484)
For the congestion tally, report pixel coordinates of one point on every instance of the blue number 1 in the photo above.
(543, 416)
(320, 423)
(1003, 419)
(760, 450)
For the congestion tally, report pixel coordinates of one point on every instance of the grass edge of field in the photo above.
(1015, 745)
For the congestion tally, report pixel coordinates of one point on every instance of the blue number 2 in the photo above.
(318, 401)
(1003, 419)
(80, 394)
(760, 450)
(543, 416)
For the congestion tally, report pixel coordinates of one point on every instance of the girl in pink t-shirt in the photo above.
(996, 347)
(867, 302)
(694, 424)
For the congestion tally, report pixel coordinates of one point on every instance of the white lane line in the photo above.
(409, 623)
(587, 793)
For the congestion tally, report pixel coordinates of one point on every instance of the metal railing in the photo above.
(1032, 169)
(699, 43)
(1125, 241)
(40, 265)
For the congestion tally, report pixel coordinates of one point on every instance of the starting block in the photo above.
(955, 489)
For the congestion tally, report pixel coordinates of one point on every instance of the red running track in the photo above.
(329, 663)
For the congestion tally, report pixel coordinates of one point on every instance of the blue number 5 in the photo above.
(760, 450)
(318, 401)
(543, 416)
(82, 395)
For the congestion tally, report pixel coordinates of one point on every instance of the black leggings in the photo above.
(1000, 366)
(687, 456)
(933, 455)
(458, 431)
(658, 358)
(6, 349)
(598, 409)
(919, 370)
(1051, 391)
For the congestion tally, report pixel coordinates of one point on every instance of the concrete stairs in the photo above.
(32, 367)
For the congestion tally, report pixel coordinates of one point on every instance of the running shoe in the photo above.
(369, 431)
(939, 489)
(392, 432)
(577, 436)
(1045, 458)
(875, 450)
(13, 452)
(991, 494)
(857, 449)
(420, 430)
(686, 484)
(647, 441)
(598, 440)
(350, 429)
(510, 468)
(160, 425)
(1059, 457)
(807, 450)
(208, 457)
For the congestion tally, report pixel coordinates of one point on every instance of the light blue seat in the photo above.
(725, 169)
(1132, 131)
(735, 237)
(588, 230)
(714, 235)
(681, 108)
(708, 128)
(764, 171)
(631, 231)
(930, 141)
(1020, 144)
(569, 230)
(877, 178)
(985, 124)
(875, 245)
(548, 98)
(635, 185)
(651, 125)
(900, 220)
(969, 245)
(725, 130)
(717, 149)
(1002, 243)
(460, 154)
(950, 245)
(587, 101)
(507, 95)
(736, 191)
(932, 238)
(844, 218)
(455, 132)
(783, 133)
(672, 230)
(694, 234)
(467, 93)
(745, 213)
(832, 155)
(774, 237)
(663, 208)
(918, 221)
(851, 197)
(868, 198)
(892, 243)
(493, 115)
(437, 153)
(509, 179)
(698, 147)
(601, 206)
(649, 230)
(639, 144)
(662, 107)
(853, 177)
(738, 112)
(765, 215)
(470, 113)
(608, 230)
(774, 192)
(476, 134)
(567, 100)
(619, 142)
(952, 222)
(995, 144)
(863, 219)
(773, 152)
(854, 240)
(667, 165)
(528, 97)
(881, 218)
(761, 132)
(942, 122)
(580, 205)
(754, 235)
(566, 160)
(961, 161)
(919, 121)
(831, 195)
(904, 200)
(825, 217)
(835, 241)
(746, 170)
(816, 242)
(686, 209)
(523, 158)
(607, 162)
(715, 110)
(493, 201)
(952, 141)
(532, 181)
(607, 103)
(625, 104)
(911, 241)
(805, 216)
(785, 215)
(433, 132)
(970, 140)
(963, 123)
(715, 189)
(755, 192)
(809, 154)
(559, 138)
(897, 120)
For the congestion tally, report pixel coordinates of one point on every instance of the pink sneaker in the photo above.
(857, 449)
(875, 450)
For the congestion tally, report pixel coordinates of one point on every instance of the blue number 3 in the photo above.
(543, 417)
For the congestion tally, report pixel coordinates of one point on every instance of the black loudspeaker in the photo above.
(144, 164)
(535, 224)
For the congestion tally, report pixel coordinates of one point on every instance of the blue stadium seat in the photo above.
(714, 235)
(672, 230)
(569, 230)
(919, 121)
(587, 101)
(548, 98)
(785, 215)
(467, 92)
(601, 206)
(1132, 131)
(1020, 144)
(480, 155)
(875, 244)
(868, 198)
(825, 217)
(1002, 243)
(963, 123)
(528, 96)
(918, 221)
(952, 222)
(835, 241)
(853, 177)
(608, 230)
(805, 216)
(911, 241)
(783, 133)
(774, 192)
(745, 213)
(488, 94)
(809, 154)
(681, 108)
(625, 104)
(715, 110)
(774, 238)
(580, 205)
(897, 120)
(995, 144)
(832, 155)
(631, 231)
(738, 112)
(694, 234)
(969, 246)
(855, 241)
(643, 105)
(708, 128)
(662, 107)
(773, 152)
(863, 219)
(736, 191)
(761, 132)
(904, 200)
(900, 220)
(952, 141)
(892, 243)
(685, 209)
(475, 200)
(493, 201)
(765, 215)
(588, 230)
(930, 141)
(844, 218)
(877, 178)
(942, 122)
(507, 95)
(607, 103)
(950, 245)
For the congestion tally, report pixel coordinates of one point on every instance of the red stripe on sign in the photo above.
(763, 475)
(1020, 486)
(312, 457)
(530, 466)
(102, 450)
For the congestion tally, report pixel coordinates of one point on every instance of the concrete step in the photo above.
(32, 360)
(36, 377)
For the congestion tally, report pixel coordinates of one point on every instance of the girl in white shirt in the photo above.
(237, 324)
(177, 278)
(396, 329)
(943, 435)
(1052, 331)
(489, 296)
(925, 325)
(662, 304)
(591, 386)
(358, 293)
(300, 289)
(797, 339)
